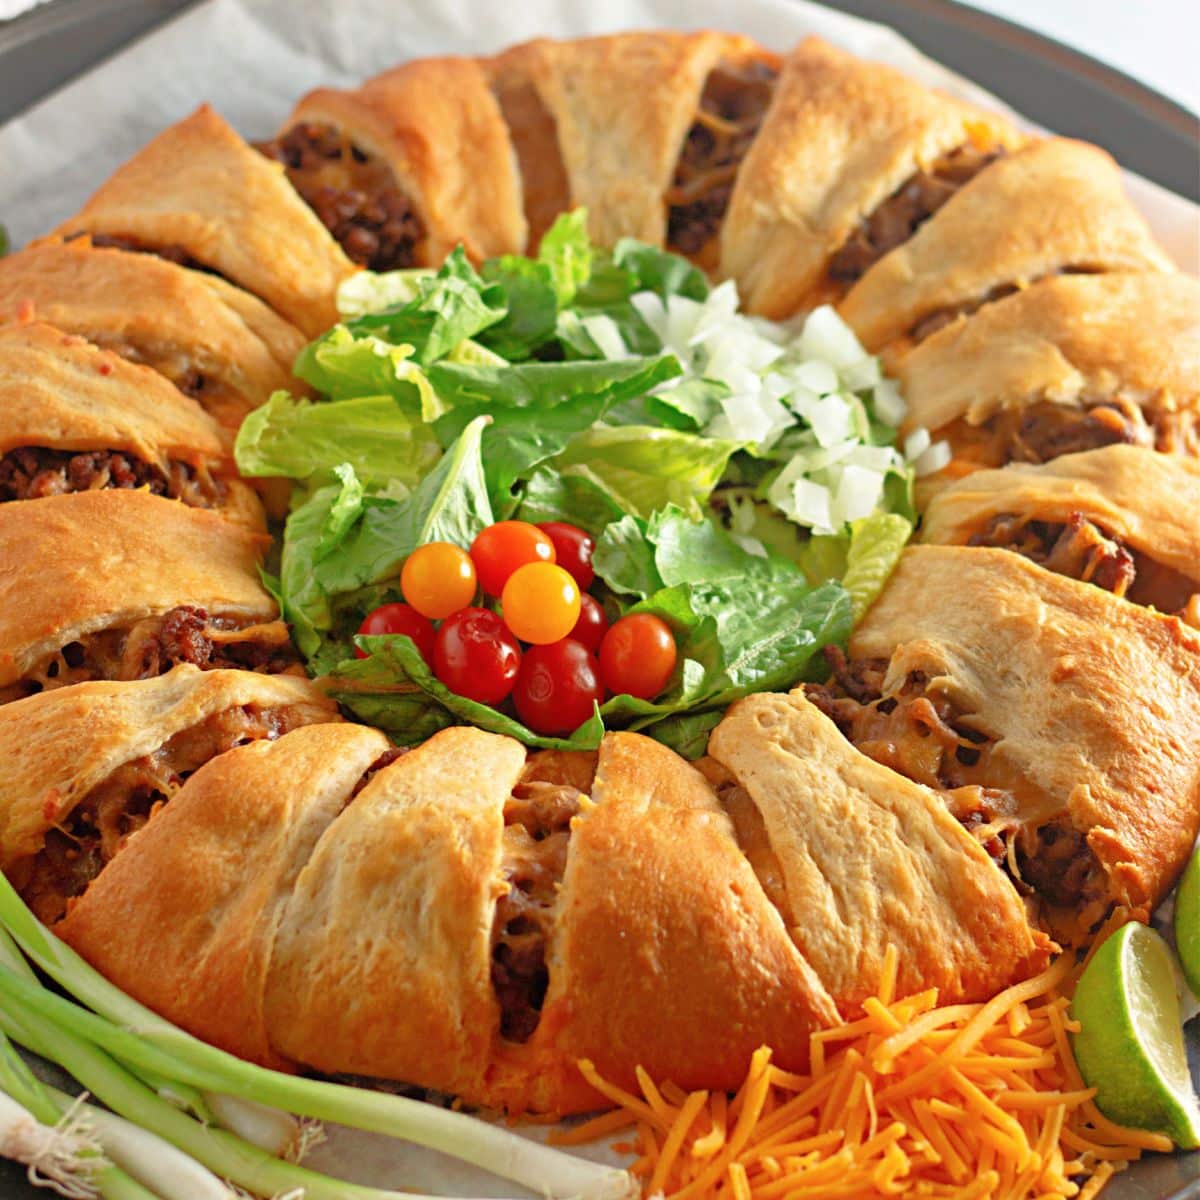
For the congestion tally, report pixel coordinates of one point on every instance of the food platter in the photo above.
(1161, 1191)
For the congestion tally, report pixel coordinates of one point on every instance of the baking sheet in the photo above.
(254, 58)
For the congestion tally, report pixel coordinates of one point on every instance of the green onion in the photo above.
(133, 1034)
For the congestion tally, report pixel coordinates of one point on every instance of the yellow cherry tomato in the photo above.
(541, 603)
(438, 579)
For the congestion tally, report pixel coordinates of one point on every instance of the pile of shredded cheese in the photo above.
(970, 1101)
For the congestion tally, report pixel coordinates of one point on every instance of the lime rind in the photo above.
(1130, 1043)
(1187, 923)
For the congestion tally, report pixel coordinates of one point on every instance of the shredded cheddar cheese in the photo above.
(969, 1101)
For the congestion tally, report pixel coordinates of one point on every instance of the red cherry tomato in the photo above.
(475, 656)
(501, 548)
(557, 687)
(592, 624)
(573, 549)
(638, 655)
(541, 603)
(399, 618)
(438, 579)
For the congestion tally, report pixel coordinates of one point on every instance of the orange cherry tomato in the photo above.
(638, 655)
(541, 603)
(500, 549)
(438, 579)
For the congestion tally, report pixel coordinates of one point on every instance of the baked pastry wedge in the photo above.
(858, 858)
(124, 585)
(460, 917)
(1053, 207)
(1065, 365)
(1058, 721)
(199, 196)
(77, 418)
(383, 165)
(1124, 518)
(216, 343)
(87, 766)
(850, 159)
(636, 127)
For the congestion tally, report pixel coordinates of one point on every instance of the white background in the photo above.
(1155, 41)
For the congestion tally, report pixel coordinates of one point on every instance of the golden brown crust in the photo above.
(382, 960)
(418, 118)
(199, 187)
(620, 107)
(176, 321)
(1148, 501)
(664, 936)
(1068, 339)
(1054, 206)
(200, 897)
(61, 392)
(57, 746)
(840, 137)
(98, 560)
(1094, 703)
(871, 859)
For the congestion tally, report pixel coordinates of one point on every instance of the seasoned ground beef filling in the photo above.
(537, 820)
(100, 826)
(906, 209)
(1080, 549)
(920, 734)
(153, 646)
(354, 195)
(171, 253)
(33, 472)
(732, 107)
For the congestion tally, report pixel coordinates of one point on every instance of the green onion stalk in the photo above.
(122, 1031)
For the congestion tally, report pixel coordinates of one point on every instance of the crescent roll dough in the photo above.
(1055, 206)
(1125, 518)
(841, 137)
(1081, 709)
(332, 908)
(1065, 365)
(869, 860)
(213, 341)
(60, 394)
(200, 190)
(99, 563)
(87, 766)
(417, 119)
(600, 122)
(251, 817)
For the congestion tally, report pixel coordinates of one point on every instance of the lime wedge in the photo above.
(1130, 1043)
(1187, 923)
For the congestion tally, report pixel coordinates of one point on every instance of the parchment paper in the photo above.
(254, 58)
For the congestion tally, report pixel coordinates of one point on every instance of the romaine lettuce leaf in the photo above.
(647, 468)
(382, 437)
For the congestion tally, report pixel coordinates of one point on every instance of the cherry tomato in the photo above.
(501, 548)
(541, 603)
(475, 656)
(592, 624)
(638, 655)
(399, 618)
(557, 687)
(438, 579)
(573, 549)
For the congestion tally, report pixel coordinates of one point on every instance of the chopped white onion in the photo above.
(889, 404)
(830, 419)
(933, 459)
(916, 443)
(817, 376)
(859, 490)
(603, 331)
(862, 375)
(827, 337)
